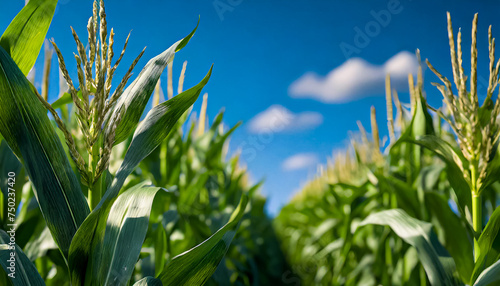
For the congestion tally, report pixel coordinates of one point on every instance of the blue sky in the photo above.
(261, 51)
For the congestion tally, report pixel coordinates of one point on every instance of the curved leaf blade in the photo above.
(438, 265)
(196, 265)
(24, 37)
(136, 96)
(126, 229)
(489, 275)
(152, 131)
(160, 247)
(25, 272)
(489, 245)
(454, 166)
(148, 281)
(456, 236)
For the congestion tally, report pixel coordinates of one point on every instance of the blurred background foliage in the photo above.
(318, 228)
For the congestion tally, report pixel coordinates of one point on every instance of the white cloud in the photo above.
(279, 119)
(355, 78)
(300, 161)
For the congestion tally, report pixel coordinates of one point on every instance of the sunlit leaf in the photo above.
(25, 35)
(439, 266)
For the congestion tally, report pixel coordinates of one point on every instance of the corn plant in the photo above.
(98, 225)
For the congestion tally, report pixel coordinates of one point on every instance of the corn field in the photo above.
(99, 189)
(423, 211)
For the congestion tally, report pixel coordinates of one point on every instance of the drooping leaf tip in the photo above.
(186, 40)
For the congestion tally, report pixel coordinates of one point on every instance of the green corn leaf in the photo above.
(62, 101)
(186, 39)
(438, 265)
(126, 229)
(454, 165)
(148, 281)
(39, 246)
(455, 234)
(489, 245)
(24, 37)
(196, 265)
(25, 272)
(420, 125)
(25, 126)
(160, 249)
(29, 218)
(150, 133)
(422, 122)
(489, 275)
(136, 96)
(9, 164)
(65, 99)
(406, 195)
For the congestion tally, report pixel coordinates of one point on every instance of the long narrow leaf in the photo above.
(489, 275)
(24, 272)
(27, 129)
(24, 37)
(126, 229)
(196, 265)
(454, 166)
(135, 98)
(438, 264)
(160, 245)
(457, 240)
(489, 245)
(9, 163)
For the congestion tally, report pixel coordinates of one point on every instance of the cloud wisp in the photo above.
(355, 79)
(278, 119)
(300, 161)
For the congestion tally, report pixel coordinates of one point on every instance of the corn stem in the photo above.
(477, 221)
(91, 180)
(95, 187)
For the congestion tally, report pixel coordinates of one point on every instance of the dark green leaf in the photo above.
(27, 129)
(455, 234)
(24, 272)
